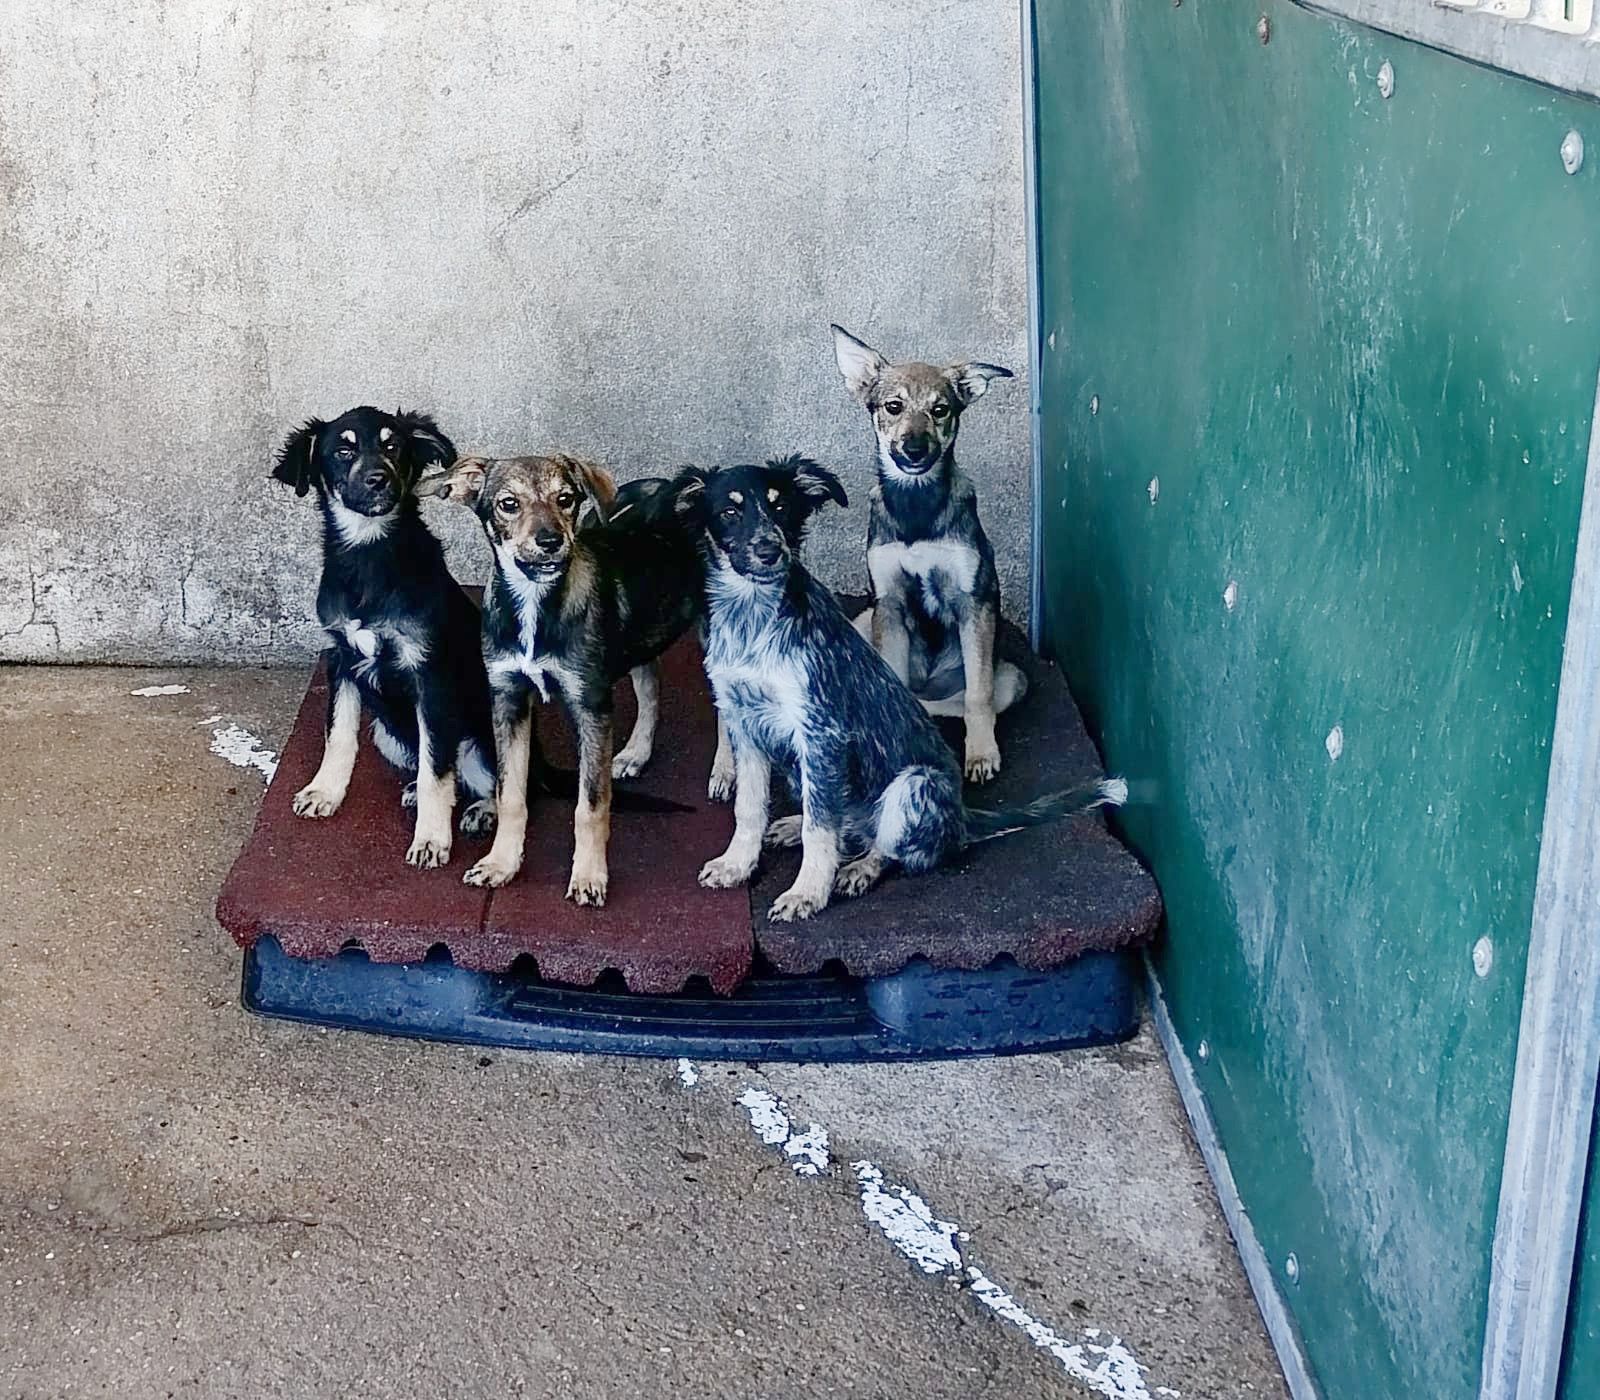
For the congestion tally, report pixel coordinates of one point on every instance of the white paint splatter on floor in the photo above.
(907, 1223)
(153, 690)
(1110, 1369)
(242, 749)
(806, 1149)
(934, 1245)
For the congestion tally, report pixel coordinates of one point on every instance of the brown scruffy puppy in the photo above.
(936, 595)
(572, 607)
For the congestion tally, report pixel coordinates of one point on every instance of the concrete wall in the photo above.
(613, 226)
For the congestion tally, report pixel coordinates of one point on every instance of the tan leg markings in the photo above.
(591, 821)
(436, 803)
(753, 784)
(642, 741)
(977, 661)
(513, 752)
(323, 794)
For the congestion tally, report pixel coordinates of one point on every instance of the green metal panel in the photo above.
(1355, 340)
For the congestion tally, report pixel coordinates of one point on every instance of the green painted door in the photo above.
(1317, 386)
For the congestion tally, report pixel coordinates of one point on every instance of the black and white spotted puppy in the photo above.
(803, 692)
(936, 595)
(403, 636)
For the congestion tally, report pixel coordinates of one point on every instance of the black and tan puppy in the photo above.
(404, 637)
(936, 596)
(569, 611)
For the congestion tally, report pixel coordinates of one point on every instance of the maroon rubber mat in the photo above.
(316, 886)
(319, 886)
(1041, 896)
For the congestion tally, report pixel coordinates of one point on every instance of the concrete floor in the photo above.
(194, 1202)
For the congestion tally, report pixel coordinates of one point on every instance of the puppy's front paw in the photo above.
(720, 788)
(478, 818)
(784, 832)
(408, 795)
(795, 903)
(982, 763)
(429, 852)
(312, 801)
(726, 871)
(587, 885)
(490, 873)
(628, 764)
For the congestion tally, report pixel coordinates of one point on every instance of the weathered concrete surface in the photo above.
(618, 228)
(197, 1203)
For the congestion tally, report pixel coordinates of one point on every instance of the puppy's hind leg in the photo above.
(919, 818)
(476, 780)
(322, 796)
(642, 741)
(861, 874)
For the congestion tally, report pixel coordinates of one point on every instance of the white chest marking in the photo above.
(922, 561)
(353, 528)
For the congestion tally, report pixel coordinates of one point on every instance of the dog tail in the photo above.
(984, 824)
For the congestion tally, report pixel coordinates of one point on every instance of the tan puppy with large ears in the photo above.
(568, 612)
(936, 595)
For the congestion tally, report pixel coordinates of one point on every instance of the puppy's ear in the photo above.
(597, 483)
(293, 466)
(859, 363)
(971, 380)
(689, 494)
(429, 447)
(463, 482)
(815, 484)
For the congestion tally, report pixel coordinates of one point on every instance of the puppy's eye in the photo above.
(565, 500)
(729, 512)
(893, 407)
(940, 410)
(345, 454)
(506, 505)
(780, 506)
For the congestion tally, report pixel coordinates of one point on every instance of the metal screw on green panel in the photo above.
(1291, 1266)
(1386, 80)
(1264, 30)
(1482, 957)
(1572, 152)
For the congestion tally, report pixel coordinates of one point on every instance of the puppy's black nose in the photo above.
(375, 480)
(767, 551)
(547, 540)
